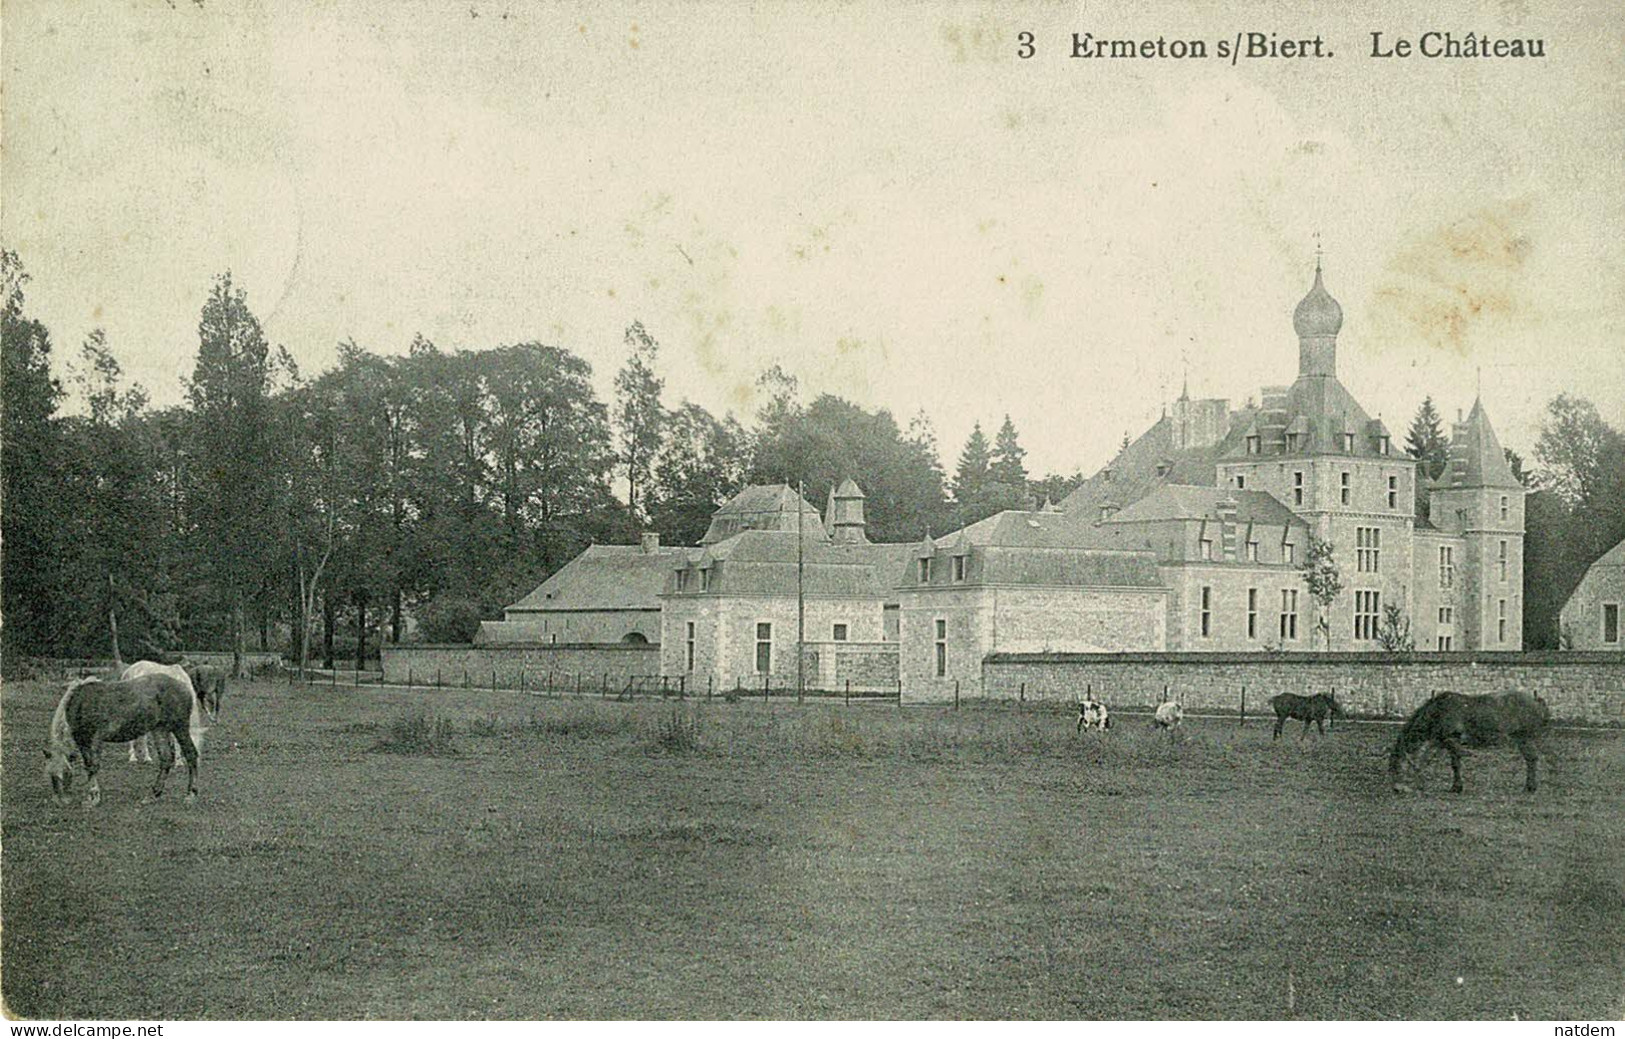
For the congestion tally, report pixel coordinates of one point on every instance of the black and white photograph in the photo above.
(832, 511)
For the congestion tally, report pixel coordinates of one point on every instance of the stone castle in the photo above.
(1192, 539)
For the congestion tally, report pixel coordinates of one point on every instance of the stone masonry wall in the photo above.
(1579, 687)
(560, 664)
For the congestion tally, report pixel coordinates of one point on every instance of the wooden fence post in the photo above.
(956, 694)
(1244, 705)
(1021, 698)
(408, 678)
(849, 692)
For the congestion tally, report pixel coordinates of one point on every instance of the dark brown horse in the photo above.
(1451, 721)
(1317, 709)
(93, 711)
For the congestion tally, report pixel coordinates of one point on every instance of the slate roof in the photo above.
(764, 562)
(1476, 456)
(1134, 473)
(604, 577)
(761, 507)
(1202, 503)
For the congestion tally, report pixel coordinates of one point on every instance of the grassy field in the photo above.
(373, 854)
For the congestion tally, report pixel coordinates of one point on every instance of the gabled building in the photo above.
(1591, 618)
(608, 594)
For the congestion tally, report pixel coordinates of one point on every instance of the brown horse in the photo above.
(1317, 709)
(93, 711)
(1451, 721)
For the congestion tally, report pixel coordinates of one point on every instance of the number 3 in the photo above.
(1026, 41)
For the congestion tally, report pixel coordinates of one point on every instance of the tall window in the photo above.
(1447, 566)
(1289, 553)
(1367, 545)
(1344, 488)
(1447, 616)
(942, 648)
(1610, 623)
(1504, 509)
(764, 648)
(1393, 493)
(1501, 559)
(1207, 548)
(1297, 488)
(690, 654)
(1366, 610)
(1292, 442)
(1252, 613)
(1207, 611)
(925, 571)
(682, 580)
(705, 579)
(1446, 643)
(1252, 445)
(1252, 551)
(1348, 443)
(1289, 613)
(1241, 481)
(959, 568)
(1501, 620)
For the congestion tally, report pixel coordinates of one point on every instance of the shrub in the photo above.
(678, 733)
(450, 619)
(419, 735)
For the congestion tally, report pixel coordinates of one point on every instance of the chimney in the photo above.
(649, 542)
(1226, 508)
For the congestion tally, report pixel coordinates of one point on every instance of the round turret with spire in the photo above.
(1317, 320)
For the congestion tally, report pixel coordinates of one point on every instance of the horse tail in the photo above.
(61, 732)
(194, 724)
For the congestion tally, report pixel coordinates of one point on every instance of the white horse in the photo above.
(140, 668)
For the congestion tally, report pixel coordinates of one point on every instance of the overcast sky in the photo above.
(884, 199)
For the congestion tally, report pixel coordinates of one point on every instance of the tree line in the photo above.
(317, 514)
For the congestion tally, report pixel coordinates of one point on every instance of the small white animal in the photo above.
(1092, 714)
(1169, 715)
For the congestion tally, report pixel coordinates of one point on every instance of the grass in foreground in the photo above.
(581, 859)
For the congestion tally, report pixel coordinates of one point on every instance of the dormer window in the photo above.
(1291, 442)
(705, 579)
(1348, 443)
(959, 568)
(1289, 553)
(1252, 551)
(925, 571)
(682, 580)
(1253, 444)
(1207, 548)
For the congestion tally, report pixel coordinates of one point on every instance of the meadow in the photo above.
(373, 853)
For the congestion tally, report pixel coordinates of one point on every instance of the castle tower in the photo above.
(1317, 319)
(846, 514)
(1482, 502)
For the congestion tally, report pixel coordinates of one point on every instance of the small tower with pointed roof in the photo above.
(1479, 499)
(846, 523)
(1317, 319)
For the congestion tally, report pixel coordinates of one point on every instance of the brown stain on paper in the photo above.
(1446, 284)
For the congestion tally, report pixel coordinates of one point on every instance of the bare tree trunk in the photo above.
(395, 617)
(237, 633)
(360, 629)
(112, 622)
(329, 622)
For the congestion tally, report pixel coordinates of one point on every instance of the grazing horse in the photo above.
(1092, 714)
(1318, 709)
(93, 710)
(207, 683)
(1451, 720)
(1169, 715)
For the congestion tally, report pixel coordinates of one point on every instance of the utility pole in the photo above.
(801, 595)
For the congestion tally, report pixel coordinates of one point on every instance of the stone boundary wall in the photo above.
(1584, 688)
(559, 663)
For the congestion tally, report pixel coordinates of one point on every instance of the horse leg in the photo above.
(1530, 756)
(1454, 749)
(133, 758)
(1320, 726)
(1280, 720)
(93, 795)
(1080, 724)
(183, 739)
(166, 761)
